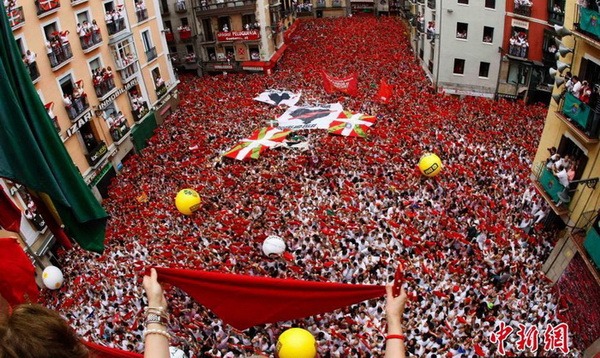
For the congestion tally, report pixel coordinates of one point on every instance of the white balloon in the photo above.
(273, 245)
(52, 277)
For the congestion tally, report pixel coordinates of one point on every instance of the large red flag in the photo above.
(17, 281)
(10, 214)
(384, 95)
(348, 85)
(99, 351)
(245, 301)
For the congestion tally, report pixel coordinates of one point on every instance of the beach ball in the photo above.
(296, 343)
(52, 277)
(430, 165)
(187, 201)
(273, 245)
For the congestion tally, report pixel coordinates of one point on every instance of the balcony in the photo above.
(103, 85)
(556, 17)
(119, 129)
(95, 155)
(77, 107)
(161, 91)
(16, 18)
(46, 7)
(128, 71)
(180, 7)
(91, 40)
(586, 23)
(580, 118)
(77, 2)
(114, 27)
(549, 187)
(169, 36)
(224, 7)
(336, 4)
(141, 14)
(33, 70)
(151, 54)
(185, 34)
(60, 55)
(523, 10)
(518, 51)
(139, 112)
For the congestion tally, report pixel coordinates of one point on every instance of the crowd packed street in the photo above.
(349, 209)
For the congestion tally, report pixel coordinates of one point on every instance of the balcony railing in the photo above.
(33, 70)
(208, 5)
(151, 54)
(336, 4)
(60, 54)
(128, 71)
(161, 91)
(180, 7)
(518, 51)
(44, 7)
(16, 18)
(185, 35)
(556, 17)
(104, 85)
(139, 112)
(169, 36)
(141, 14)
(90, 39)
(78, 107)
(552, 187)
(95, 155)
(586, 22)
(115, 26)
(582, 116)
(523, 10)
(118, 131)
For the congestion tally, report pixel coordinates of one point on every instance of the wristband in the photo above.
(395, 336)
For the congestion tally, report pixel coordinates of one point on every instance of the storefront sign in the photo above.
(98, 153)
(521, 24)
(223, 67)
(75, 127)
(114, 96)
(238, 35)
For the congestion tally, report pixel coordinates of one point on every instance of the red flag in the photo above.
(478, 350)
(348, 85)
(99, 351)
(10, 214)
(384, 95)
(17, 282)
(244, 301)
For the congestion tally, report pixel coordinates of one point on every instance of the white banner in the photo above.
(310, 117)
(278, 98)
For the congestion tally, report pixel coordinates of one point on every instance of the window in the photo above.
(189, 48)
(462, 30)
(518, 43)
(184, 22)
(211, 53)
(254, 52)
(66, 85)
(465, 2)
(147, 40)
(248, 21)
(589, 71)
(229, 52)
(459, 66)
(168, 25)
(114, 18)
(83, 17)
(488, 34)
(518, 73)
(224, 24)
(490, 4)
(95, 64)
(484, 69)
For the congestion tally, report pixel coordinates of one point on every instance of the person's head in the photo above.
(33, 331)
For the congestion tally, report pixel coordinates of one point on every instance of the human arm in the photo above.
(394, 308)
(155, 345)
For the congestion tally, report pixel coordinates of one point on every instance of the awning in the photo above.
(254, 64)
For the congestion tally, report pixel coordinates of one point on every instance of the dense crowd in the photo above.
(349, 209)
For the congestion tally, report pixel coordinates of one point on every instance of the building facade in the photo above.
(456, 42)
(572, 128)
(528, 49)
(180, 27)
(101, 69)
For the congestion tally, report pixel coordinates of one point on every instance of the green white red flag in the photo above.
(351, 124)
(259, 141)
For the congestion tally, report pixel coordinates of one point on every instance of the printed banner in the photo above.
(259, 141)
(238, 35)
(310, 117)
(278, 98)
(348, 85)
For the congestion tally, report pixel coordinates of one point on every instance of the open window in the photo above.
(462, 30)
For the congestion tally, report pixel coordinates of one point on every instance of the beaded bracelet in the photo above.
(395, 336)
(155, 318)
(162, 332)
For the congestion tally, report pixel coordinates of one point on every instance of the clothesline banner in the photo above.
(259, 141)
(310, 117)
(278, 98)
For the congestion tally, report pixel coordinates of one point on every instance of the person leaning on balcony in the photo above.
(96, 32)
(66, 46)
(109, 22)
(31, 61)
(585, 92)
(51, 54)
(69, 106)
(575, 86)
(561, 174)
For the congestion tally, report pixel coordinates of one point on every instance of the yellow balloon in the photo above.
(430, 165)
(296, 343)
(187, 201)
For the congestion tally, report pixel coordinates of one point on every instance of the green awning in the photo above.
(143, 131)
